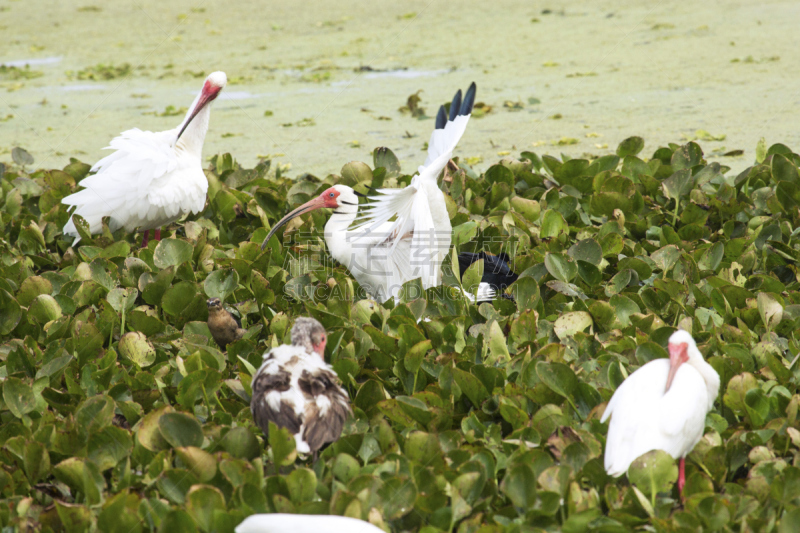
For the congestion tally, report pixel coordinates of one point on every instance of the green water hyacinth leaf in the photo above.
(302, 484)
(384, 157)
(519, 485)
(677, 185)
(180, 430)
(770, 309)
(178, 297)
(11, 313)
(31, 288)
(221, 284)
(172, 252)
(240, 442)
(44, 308)
(202, 504)
(18, 397)
(630, 146)
(560, 267)
(135, 347)
(122, 299)
(472, 277)
(653, 472)
(553, 224)
(687, 156)
(567, 325)
(586, 250)
(356, 172)
(529, 209)
(282, 445)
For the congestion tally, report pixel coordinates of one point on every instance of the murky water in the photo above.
(334, 75)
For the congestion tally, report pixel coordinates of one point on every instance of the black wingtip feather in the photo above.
(455, 105)
(441, 119)
(469, 100)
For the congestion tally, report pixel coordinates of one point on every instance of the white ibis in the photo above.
(497, 275)
(152, 178)
(403, 234)
(661, 406)
(296, 389)
(300, 523)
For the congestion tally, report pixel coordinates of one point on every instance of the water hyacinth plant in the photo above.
(120, 413)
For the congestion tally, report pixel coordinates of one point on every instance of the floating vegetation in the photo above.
(514, 106)
(120, 412)
(101, 72)
(480, 110)
(169, 111)
(268, 113)
(750, 59)
(316, 76)
(412, 106)
(565, 141)
(300, 123)
(17, 73)
(581, 74)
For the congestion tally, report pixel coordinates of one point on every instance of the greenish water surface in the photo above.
(317, 84)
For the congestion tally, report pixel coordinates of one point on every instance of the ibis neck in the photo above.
(709, 375)
(194, 135)
(336, 234)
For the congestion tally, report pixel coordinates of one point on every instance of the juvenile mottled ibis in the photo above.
(661, 406)
(153, 178)
(301, 523)
(296, 389)
(402, 234)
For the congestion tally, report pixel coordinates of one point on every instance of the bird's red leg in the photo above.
(145, 238)
(157, 234)
(681, 475)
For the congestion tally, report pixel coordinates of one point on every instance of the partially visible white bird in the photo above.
(296, 389)
(152, 178)
(403, 234)
(661, 406)
(300, 523)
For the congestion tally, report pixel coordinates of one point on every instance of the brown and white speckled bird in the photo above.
(223, 326)
(296, 389)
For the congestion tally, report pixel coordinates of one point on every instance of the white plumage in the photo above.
(152, 178)
(402, 234)
(654, 410)
(295, 523)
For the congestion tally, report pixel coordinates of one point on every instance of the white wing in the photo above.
(419, 210)
(643, 418)
(127, 183)
(285, 523)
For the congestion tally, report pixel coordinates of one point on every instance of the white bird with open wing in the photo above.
(152, 178)
(402, 234)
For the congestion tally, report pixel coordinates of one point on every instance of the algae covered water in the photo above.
(322, 84)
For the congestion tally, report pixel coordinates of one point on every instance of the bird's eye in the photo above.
(331, 195)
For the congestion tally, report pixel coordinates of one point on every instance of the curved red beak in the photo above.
(678, 354)
(208, 95)
(316, 203)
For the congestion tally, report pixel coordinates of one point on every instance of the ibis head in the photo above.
(214, 83)
(340, 198)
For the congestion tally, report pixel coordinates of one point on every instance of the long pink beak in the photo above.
(208, 95)
(678, 354)
(316, 203)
